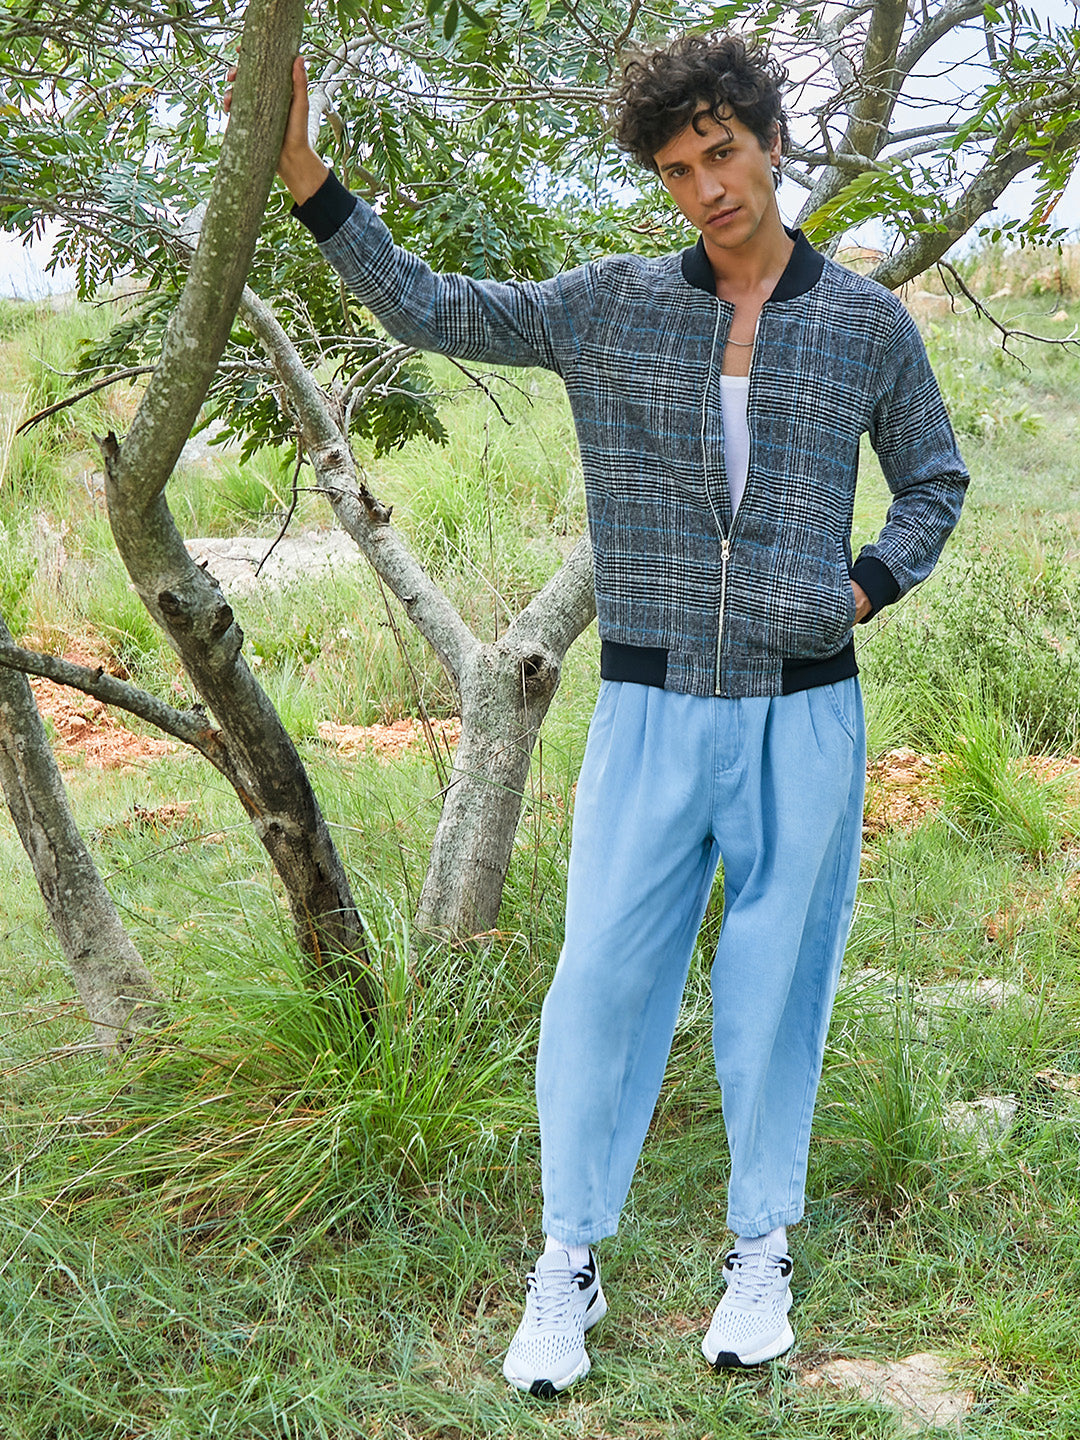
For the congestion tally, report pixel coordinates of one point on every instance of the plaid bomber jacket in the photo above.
(689, 597)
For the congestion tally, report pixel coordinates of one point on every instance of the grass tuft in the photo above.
(284, 1107)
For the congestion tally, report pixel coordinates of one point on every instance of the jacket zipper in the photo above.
(725, 537)
(725, 550)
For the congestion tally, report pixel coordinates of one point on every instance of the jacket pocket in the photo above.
(808, 599)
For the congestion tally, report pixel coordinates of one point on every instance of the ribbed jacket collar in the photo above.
(801, 273)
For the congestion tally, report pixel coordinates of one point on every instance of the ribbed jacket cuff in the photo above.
(327, 210)
(877, 582)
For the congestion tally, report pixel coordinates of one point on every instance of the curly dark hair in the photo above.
(665, 89)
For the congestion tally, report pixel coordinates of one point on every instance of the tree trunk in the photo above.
(186, 601)
(505, 691)
(113, 983)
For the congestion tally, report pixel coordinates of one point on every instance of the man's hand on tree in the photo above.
(298, 165)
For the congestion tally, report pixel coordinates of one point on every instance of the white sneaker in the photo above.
(548, 1351)
(750, 1325)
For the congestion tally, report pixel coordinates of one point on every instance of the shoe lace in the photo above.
(751, 1278)
(550, 1299)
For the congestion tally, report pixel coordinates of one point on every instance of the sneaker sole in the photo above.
(543, 1389)
(728, 1360)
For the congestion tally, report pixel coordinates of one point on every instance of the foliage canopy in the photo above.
(478, 129)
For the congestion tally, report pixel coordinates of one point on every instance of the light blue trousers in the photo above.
(670, 784)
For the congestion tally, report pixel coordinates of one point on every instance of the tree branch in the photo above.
(200, 325)
(115, 986)
(979, 197)
(558, 613)
(68, 400)
(935, 28)
(876, 86)
(360, 513)
(189, 726)
(1006, 332)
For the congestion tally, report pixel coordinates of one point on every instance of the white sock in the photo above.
(775, 1242)
(579, 1254)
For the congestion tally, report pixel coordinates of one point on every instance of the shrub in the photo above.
(997, 619)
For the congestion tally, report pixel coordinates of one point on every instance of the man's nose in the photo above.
(710, 187)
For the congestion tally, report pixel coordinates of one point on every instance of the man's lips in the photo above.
(721, 217)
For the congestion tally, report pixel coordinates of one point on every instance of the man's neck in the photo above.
(752, 268)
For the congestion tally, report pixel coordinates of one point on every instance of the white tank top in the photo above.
(734, 391)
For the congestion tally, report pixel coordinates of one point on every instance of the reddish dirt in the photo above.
(902, 789)
(387, 742)
(84, 727)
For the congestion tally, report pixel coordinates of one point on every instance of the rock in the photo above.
(919, 1389)
(963, 993)
(200, 449)
(984, 1122)
(997, 993)
(234, 561)
(925, 305)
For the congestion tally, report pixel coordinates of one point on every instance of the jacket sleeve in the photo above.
(514, 323)
(915, 445)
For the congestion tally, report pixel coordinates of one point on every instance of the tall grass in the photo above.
(984, 784)
(1002, 621)
(283, 1106)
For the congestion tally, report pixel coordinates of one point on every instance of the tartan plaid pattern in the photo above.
(638, 344)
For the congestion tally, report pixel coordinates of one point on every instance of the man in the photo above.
(719, 397)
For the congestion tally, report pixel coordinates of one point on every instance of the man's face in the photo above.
(721, 180)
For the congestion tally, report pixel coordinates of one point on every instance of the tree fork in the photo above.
(505, 688)
(505, 694)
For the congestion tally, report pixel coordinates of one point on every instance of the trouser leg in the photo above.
(641, 865)
(791, 849)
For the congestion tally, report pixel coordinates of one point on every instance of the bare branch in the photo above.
(566, 605)
(189, 726)
(1007, 332)
(942, 131)
(360, 513)
(287, 521)
(115, 986)
(74, 399)
(934, 28)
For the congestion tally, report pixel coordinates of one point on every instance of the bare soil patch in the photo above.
(85, 729)
(902, 786)
(388, 742)
(900, 790)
